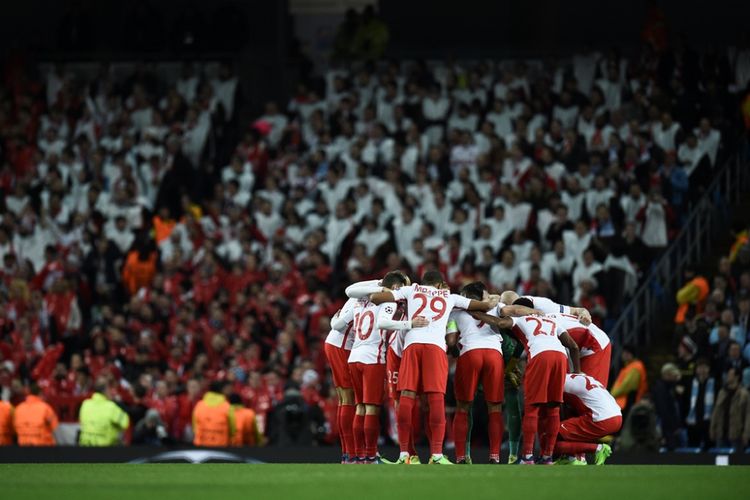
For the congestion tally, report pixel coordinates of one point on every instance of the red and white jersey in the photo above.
(343, 338)
(435, 304)
(538, 334)
(588, 397)
(370, 343)
(397, 342)
(474, 334)
(590, 339)
(547, 306)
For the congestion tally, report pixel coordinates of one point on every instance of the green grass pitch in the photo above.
(354, 482)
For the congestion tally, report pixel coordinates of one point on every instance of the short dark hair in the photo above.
(235, 399)
(217, 386)
(101, 386)
(394, 278)
(702, 360)
(523, 301)
(34, 389)
(432, 278)
(474, 290)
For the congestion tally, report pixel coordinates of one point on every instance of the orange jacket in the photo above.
(213, 421)
(695, 292)
(138, 273)
(640, 390)
(6, 424)
(34, 421)
(247, 429)
(162, 228)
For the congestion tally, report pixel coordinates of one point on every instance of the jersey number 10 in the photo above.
(359, 321)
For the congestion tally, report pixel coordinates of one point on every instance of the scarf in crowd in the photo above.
(708, 400)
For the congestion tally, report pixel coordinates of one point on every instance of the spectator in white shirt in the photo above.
(633, 202)
(586, 269)
(278, 122)
(566, 110)
(266, 218)
(654, 222)
(435, 111)
(464, 154)
(225, 90)
(577, 240)
(601, 194)
(372, 237)
(485, 239)
(665, 133)
(690, 154)
(463, 120)
(504, 275)
(416, 254)
(611, 87)
(708, 140)
(120, 234)
(406, 229)
(500, 119)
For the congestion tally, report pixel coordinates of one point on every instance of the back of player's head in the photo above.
(474, 290)
(432, 278)
(523, 301)
(508, 297)
(393, 279)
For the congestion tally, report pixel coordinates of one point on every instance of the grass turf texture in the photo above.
(227, 481)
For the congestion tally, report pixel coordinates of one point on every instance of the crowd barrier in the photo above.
(139, 454)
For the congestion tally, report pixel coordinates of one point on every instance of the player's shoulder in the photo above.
(350, 302)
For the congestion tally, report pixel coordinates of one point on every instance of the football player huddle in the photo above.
(392, 338)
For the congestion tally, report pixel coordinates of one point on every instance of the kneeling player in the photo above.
(598, 416)
(596, 349)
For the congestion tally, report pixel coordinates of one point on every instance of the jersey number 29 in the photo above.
(437, 305)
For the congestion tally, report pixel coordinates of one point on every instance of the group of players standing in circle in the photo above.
(395, 334)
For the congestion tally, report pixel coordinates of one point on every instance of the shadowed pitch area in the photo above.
(228, 481)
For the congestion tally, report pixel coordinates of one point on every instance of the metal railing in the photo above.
(710, 218)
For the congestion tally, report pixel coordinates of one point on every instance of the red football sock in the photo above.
(551, 422)
(405, 407)
(573, 448)
(529, 428)
(359, 436)
(372, 432)
(347, 431)
(338, 427)
(416, 417)
(495, 431)
(460, 430)
(425, 418)
(436, 403)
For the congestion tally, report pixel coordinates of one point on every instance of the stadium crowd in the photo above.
(152, 242)
(702, 395)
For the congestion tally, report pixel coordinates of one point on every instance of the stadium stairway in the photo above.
(663, 345)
